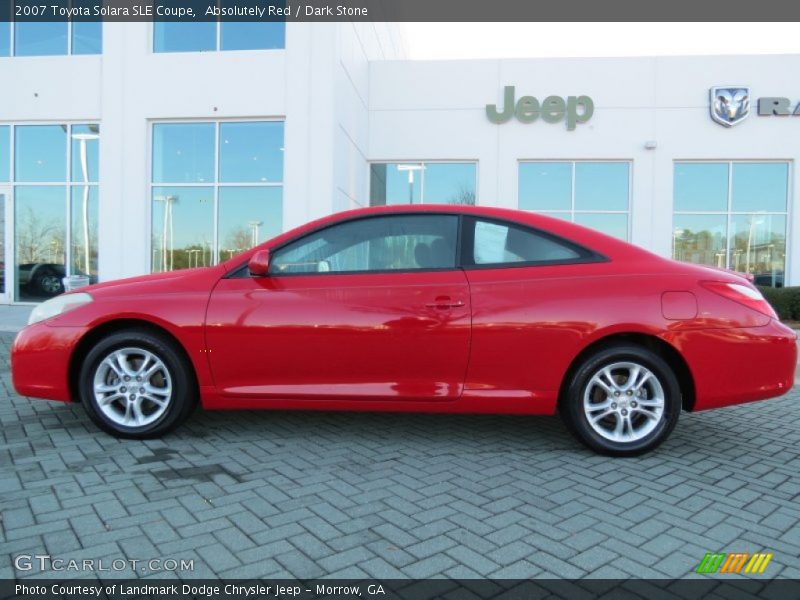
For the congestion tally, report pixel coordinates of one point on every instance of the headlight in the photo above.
(58, 305)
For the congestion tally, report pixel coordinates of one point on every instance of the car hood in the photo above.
(181, 281)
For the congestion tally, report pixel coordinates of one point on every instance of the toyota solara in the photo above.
(417, 308)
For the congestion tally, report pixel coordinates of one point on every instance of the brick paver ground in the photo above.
(369, 495)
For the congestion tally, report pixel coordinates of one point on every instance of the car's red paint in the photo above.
(499, 340)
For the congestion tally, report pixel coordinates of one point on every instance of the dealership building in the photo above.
(134, 148)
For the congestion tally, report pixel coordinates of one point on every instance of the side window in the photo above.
(497, 243)
(391, 243)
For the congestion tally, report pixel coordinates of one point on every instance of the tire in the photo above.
(47, 282)
(160, 401)
(622, 423)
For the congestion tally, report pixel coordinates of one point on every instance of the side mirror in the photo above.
(259, 264)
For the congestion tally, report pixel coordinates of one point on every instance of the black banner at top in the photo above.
(397, 10)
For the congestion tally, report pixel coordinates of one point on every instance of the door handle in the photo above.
(445, 302)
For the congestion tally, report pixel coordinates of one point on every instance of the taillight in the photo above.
(743, 294)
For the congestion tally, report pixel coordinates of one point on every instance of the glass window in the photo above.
(420, 182)
(40, 38)
(252, 36)
(183, 152)
(248, 216)
(5, 37)
(84, 210)
(758, 246)
(87, 37)
(55, 226)
(545, 186)
(601, 186)
(759, 187)
(408, 242)
(251, 152)
(613, 224)
(701, 239)
(231, 170)
(5, 153)
(591, 193)
(701, 187)
(40, 153)
(737, 222)
(183, 227)
(40, 241)
(496, 243)
(184, 37)
(202, 37)
(85, 153)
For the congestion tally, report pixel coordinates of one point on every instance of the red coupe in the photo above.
(417, 308)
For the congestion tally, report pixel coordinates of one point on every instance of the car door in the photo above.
(531, 303)
(367, 309)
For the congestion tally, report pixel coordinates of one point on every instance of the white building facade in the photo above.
(134, 148)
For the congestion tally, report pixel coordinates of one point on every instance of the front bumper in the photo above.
(40, 360)
(733, 366)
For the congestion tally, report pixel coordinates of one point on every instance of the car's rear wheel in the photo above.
(137, 384)
(623, 400)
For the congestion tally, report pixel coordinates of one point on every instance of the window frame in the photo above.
(12, 50)
(464, 248)
(728, 213)
(571, 212)
(216, 259)
(423, 162)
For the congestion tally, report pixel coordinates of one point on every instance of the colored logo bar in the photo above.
(736, 562)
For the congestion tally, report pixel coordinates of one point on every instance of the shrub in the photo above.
(785, 301)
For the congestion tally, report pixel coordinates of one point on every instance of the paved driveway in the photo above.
(359, 495)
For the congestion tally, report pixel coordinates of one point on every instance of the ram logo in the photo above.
(730, 105)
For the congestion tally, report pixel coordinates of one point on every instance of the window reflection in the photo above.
(601, 186)
(591, 193)
(40, 39)
(183, 152)
(247, 217)
(545, 186)
(247, 197)
(759, 187)
(184, 37)
(701, 186)
(758, 246)
(85, 153)
(252, 36)
(418, 182)
(183, 227)
(84, 211)
(40, 241)
(87, 37)
(251, 152)
(746, 231)
(700, 239)
(40, 153)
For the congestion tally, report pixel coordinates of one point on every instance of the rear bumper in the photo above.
(40, 358)
(733, 366)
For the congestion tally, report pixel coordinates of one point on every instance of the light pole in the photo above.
(753, 224)
(83, 138)
(167, 232)
(410, 169)
(254, 225)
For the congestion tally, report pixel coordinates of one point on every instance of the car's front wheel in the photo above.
(137, 384)
(623, 400)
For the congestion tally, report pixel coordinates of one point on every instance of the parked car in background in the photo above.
(417, 308)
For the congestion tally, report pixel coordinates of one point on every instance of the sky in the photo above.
(428, 41)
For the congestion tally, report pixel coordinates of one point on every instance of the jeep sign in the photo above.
(576, 109)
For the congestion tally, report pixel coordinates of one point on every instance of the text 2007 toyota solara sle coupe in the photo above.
(417, 308)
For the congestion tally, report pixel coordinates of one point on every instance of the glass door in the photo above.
(5, 208)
